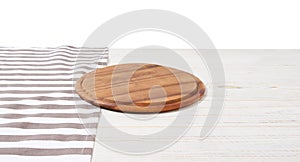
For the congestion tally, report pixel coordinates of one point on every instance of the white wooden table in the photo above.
(260, 119)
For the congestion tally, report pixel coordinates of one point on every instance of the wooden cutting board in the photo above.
(140, 88)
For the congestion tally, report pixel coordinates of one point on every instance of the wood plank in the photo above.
(260, 119)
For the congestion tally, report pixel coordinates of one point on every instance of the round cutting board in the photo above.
(140, 88)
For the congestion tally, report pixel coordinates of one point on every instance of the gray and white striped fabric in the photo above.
(38, 118)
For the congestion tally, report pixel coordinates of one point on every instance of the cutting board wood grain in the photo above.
(140, 88)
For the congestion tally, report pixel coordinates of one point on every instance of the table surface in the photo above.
(260, 120)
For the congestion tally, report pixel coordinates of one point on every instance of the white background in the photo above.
(254, 24)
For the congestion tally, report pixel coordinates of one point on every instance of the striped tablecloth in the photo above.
(38, 118)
